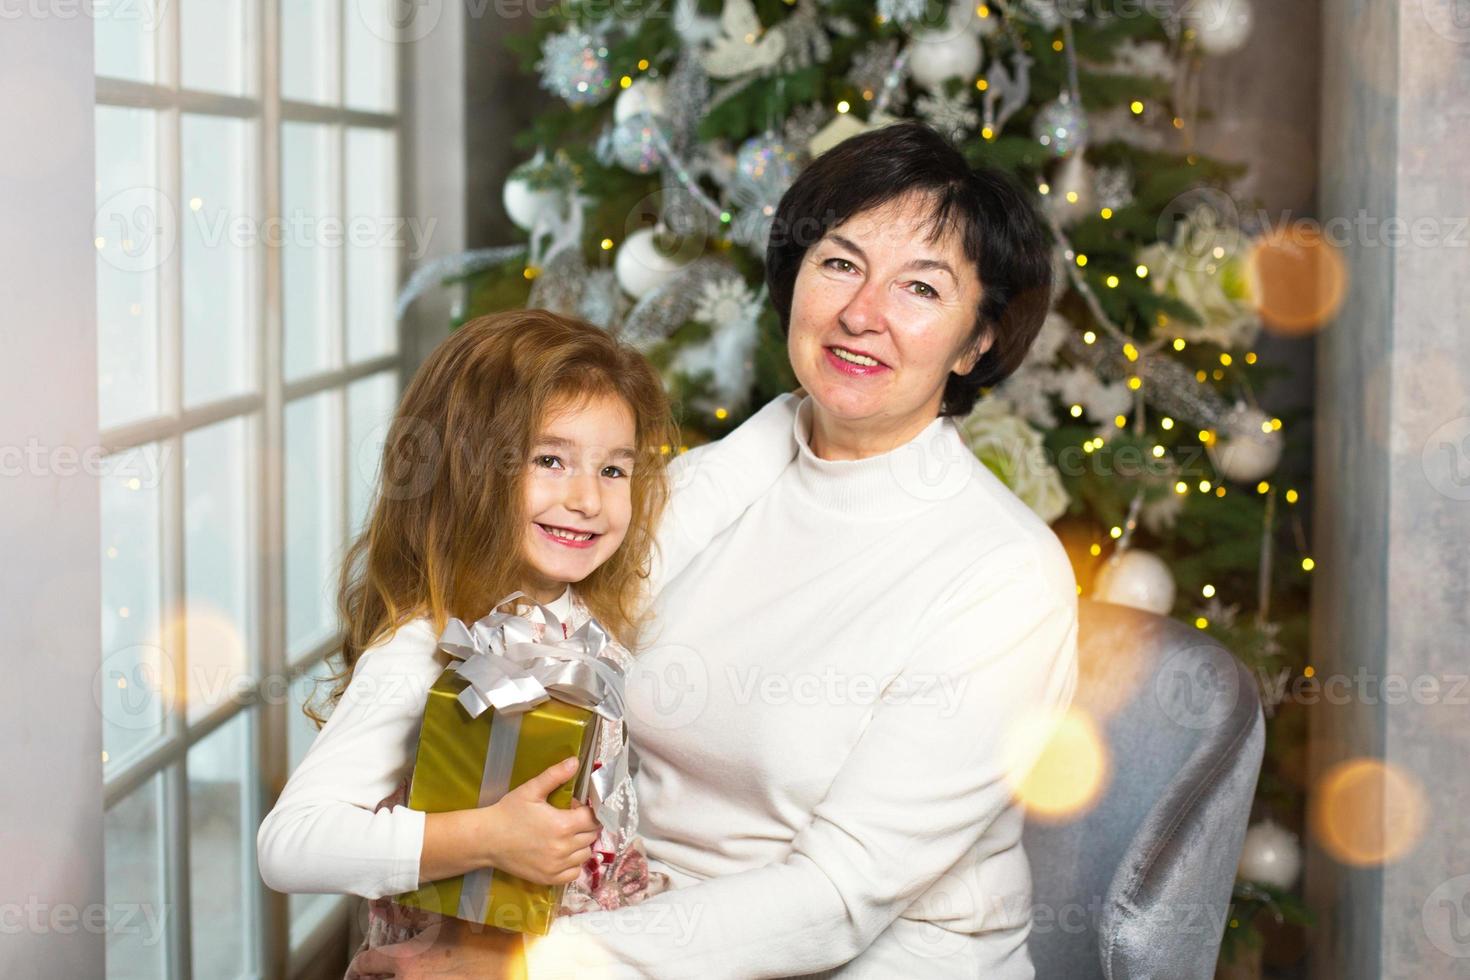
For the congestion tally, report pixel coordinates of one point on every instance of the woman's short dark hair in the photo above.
(999, 228)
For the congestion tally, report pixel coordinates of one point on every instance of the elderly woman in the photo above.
(847, 681)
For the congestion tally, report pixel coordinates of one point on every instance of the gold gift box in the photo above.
(449, 771)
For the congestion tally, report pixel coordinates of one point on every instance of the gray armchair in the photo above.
(1138, 884)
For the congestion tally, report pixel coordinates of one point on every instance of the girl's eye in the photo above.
(540, 460)
(617, 471)
(932, 292)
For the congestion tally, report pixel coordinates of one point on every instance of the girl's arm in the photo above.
(324, 835)
(713, 484)
(926, 782)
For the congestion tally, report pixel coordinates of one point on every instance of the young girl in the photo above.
(527, 454)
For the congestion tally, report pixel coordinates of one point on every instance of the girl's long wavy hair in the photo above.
(444, 538)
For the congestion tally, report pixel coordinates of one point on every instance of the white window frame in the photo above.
(267, 405)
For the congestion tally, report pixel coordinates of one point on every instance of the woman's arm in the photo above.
(921, 787)
(713, 484)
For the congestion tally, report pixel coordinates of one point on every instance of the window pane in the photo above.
(137, 898)
(219, 562)
(311, 259)
(217, 45)
(373, 239)
(126, 34)
(313, 685)
(370, 406)
(309, 51)
(313, 519)
(222, 852)
(371, 29)
(136, 676)
(134, 234)
(219, 262)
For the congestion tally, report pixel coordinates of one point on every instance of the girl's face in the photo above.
(578, 493)
(880, 317)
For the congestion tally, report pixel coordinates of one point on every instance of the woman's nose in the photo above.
(864, 309)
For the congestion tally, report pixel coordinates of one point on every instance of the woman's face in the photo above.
(880, 317)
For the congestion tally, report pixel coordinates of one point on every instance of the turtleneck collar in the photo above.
(934, 465)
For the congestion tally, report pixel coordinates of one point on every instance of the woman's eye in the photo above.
(931, 293)
(844, 262)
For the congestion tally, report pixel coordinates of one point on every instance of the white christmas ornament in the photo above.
(1139, 579)
(641, 267)
(1071, 198)
(935, 56)
(1220, 26)
(1248, 448)
(644, 95)
(1270, 855)
(524, 205)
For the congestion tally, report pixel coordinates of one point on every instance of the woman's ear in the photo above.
(973, 351)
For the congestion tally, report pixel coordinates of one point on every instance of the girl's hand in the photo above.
(534, 840)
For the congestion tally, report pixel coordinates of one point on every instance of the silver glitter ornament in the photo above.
(1061, 126)
(633, 145)
(574, 66)
(767, 162)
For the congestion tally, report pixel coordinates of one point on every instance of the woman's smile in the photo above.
(853, 363)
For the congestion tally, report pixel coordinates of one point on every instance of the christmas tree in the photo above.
(1133, 426)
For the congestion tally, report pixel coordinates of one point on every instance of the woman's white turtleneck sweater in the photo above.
(840, 690)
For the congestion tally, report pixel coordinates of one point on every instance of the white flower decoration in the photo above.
(1014, 452)
(724, 301)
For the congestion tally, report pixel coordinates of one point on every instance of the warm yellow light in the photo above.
(1179, 343)
(1218, 374)
(1309, 671)
(1076, 411)
(988, 133)
(1071, 197)
(530, 272)
(1181, 487)
(1044, 188)
(1134, 383)
(1142, 271)
(1200, 376)
(1250, 357)
(1089, 337)
(721, 413)
(1201, 622)
(1204, 486)
(1225, 359)
(1137, 107)
(1220, 491)
(1120, 421)
(1095, 550)
(1116, 532)
(1275, 424)
(1178, 123)
(1263, 487)
(643, 64)
(1112, 282)
(843, 106)
(1208, 591)
(1166, 423)
(1081, 259)
(1158, 452)
(1308, 564)
(1292, 496)
(607, 243)
(1106, 213)
(625, 81)
(1057, 45)
(1205, 436)
(1130, 352)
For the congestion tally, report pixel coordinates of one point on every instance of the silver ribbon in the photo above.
(507, 669)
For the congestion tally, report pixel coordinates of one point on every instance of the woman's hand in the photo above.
(521, 834)
(460, 949)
